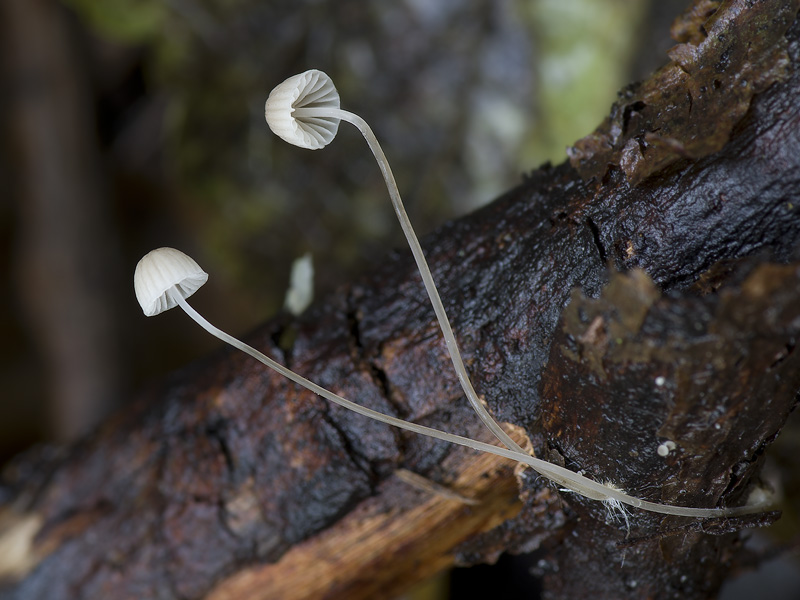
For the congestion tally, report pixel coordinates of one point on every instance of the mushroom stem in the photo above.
(419, 257)
(564, 477)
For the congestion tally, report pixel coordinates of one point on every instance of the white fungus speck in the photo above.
(665, 448)
(660, 381)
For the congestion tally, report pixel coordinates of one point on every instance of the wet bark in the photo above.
(601, 315)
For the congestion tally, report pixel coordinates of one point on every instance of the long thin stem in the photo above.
(573, 481)
(422, 264)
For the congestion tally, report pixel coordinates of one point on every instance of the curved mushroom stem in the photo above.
(569, 479)
(419, 257)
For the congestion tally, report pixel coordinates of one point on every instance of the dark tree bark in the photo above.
(654, 300)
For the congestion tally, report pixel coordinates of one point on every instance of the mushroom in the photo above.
(165, 278)
(304, 111)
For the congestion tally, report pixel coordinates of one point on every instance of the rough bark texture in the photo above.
(229, 482)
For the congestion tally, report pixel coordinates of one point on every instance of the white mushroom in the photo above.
(165, 277)
(304, 111)
(664, 449)
(312, 90)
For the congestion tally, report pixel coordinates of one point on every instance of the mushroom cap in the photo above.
(162, 270)
(311, 89)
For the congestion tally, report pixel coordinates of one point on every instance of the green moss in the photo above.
(130, 21)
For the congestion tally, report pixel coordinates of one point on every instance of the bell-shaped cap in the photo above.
(166, 270)
(312, 89)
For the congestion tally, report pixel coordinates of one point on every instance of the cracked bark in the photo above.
(227, 481)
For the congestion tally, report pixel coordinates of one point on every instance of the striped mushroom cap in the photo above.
(163, 274)
(311, 89)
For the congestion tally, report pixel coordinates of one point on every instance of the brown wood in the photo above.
(226, 480)
(399, 535)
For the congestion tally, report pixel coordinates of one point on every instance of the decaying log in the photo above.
(228, 482)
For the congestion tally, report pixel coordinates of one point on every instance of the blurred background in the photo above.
(132, 124)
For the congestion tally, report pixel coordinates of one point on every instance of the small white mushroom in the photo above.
(165, 277)
(664, 449)
(304, 111)
(312, 90)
